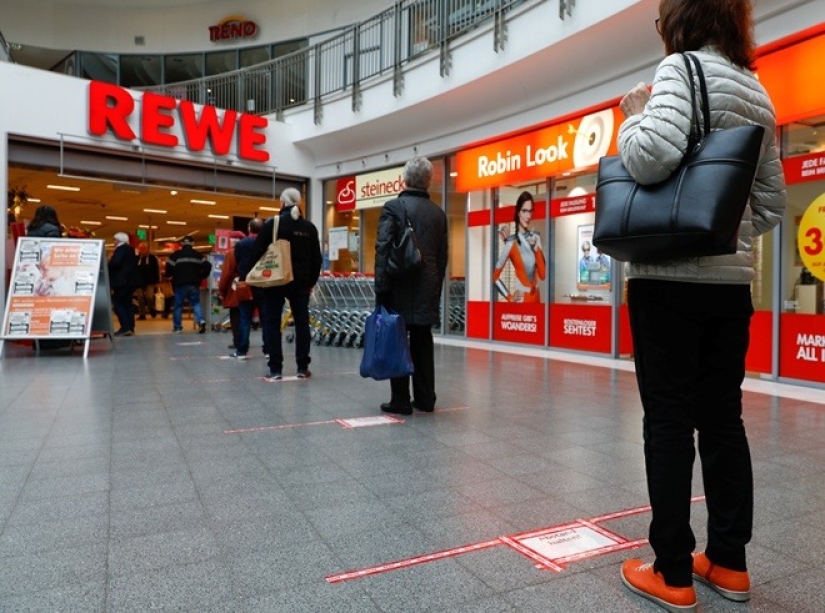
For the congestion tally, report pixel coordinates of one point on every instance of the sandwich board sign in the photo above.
(58, 290)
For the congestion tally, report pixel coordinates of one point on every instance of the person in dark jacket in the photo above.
(44, 224)
(306, 268)
(243, 264)
(123, 279)
(416, 296)
(187, 268)
(149, 277)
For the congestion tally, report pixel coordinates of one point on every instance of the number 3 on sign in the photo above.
(811, 238)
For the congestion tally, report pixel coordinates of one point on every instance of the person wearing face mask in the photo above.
(690, 318)
(523, 250)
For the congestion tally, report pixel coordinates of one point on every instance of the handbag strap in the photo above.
(695, 125)
(703, 89)
(276, 221)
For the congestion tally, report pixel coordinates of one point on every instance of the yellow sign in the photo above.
(811, 238)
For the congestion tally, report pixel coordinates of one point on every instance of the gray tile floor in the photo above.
(120, 489)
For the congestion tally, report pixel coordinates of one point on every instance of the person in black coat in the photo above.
(415, 296)
(305, 247)
(123, 279)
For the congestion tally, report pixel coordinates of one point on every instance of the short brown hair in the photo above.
(689, 25)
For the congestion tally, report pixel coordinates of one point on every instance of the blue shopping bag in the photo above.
(386, 349)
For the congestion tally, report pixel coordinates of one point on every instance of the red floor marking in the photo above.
(340, 421)
(541, 562)
(514, 542)
(406, 563)
(264, 428)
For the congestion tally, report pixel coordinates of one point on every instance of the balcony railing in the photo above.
(379, 46)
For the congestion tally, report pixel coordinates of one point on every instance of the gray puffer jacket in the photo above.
(652, 146)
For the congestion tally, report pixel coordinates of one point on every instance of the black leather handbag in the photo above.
(694, 212)
(405, 256)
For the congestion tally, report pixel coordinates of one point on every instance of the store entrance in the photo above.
(156, 202)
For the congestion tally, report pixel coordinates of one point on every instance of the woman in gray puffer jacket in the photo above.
(690, 318)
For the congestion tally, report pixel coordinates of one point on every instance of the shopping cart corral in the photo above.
(338, 309)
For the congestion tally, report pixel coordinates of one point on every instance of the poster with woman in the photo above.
(521, 265)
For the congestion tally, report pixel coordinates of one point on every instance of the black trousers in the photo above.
(274, 299)
(690, 341)
(423, 381)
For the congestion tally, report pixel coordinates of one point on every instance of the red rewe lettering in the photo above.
(250, 135)
(109, 107)
(156, 116)
(197, 131)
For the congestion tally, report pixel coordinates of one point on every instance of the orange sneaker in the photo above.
(642, 579)
(732, 584)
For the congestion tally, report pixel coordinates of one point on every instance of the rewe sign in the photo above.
(112, 107)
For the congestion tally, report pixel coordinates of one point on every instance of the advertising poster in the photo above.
(52, 289)
(593, 267)
(519, 273)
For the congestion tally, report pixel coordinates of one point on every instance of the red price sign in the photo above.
(811, 238)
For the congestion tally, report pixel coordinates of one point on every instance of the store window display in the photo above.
(521, 253)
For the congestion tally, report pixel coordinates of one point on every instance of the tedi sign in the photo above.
(113, 109)
(232, 28)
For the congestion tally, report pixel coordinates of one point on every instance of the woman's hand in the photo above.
(634, 102)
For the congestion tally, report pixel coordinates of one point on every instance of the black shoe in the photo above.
(202, 327)
(120, 332)
(389, 407)
(142, 318)
(274, 376)
(304, 373)
(418, 407)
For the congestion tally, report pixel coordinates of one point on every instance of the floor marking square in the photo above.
(370, 420)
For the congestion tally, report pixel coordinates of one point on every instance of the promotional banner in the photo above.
(52, 289)
(802, 347)
(593, 267)
(369, 190)
(573, 326)
(568, 145)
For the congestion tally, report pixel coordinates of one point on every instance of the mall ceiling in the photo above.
(95, 202)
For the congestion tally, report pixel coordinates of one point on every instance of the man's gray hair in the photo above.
(418, 173)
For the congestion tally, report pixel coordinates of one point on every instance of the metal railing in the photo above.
(376, 47)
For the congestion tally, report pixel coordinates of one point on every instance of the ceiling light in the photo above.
(33, 200)
(90, 223)
(175, 223)
(454, 174)
(268, 208)
(65, 188)
(158, 211)
(196, 201)
(174, 192)
(143, 225)
(218, 216)
(116, 218)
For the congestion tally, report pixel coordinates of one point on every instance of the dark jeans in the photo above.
(423, 380)
(690, 341)
(122, 305)
(192, 293)
(274, 300)
(246, 309)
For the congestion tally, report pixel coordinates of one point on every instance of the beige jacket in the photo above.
(652, 146)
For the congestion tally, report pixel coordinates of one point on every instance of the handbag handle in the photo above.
(695, 125)
(703, 89)
(276, 221)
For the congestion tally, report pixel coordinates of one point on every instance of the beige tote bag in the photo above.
(275, 266)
